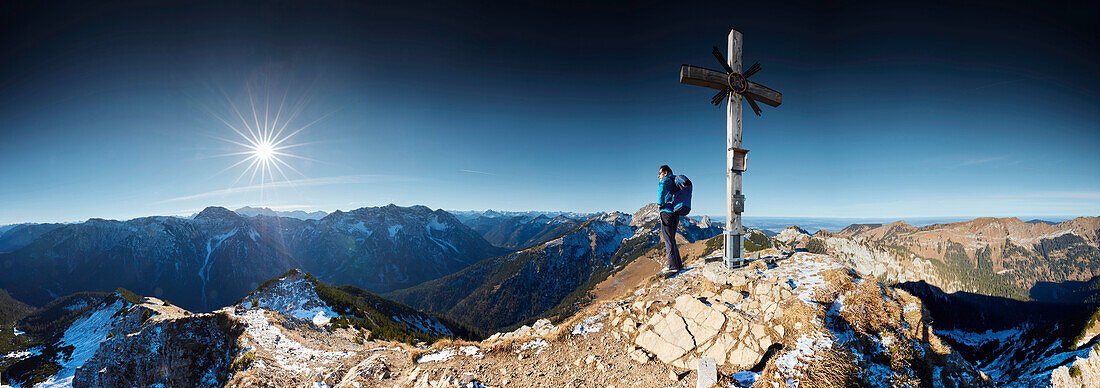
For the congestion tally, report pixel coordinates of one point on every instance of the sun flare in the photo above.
(264, 135)
(265, 151)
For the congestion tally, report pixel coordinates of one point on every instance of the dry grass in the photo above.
(915, 318)
(507, 344)
(830, 369)
(870, 310)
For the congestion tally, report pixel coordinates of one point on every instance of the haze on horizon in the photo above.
(913, 109)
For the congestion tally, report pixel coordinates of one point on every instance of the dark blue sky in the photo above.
(889, 110)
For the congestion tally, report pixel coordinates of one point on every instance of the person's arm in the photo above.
(664, 196)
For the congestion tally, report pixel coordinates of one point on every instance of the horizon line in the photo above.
(276, 208)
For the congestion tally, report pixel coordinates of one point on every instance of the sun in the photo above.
(264, 151)
(264, 140)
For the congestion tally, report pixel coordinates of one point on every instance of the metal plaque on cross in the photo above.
(735, 85)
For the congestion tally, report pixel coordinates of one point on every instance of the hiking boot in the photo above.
(669, 272)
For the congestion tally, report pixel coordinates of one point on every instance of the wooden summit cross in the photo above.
(726, 82)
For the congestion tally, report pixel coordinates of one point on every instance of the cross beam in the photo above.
(735, 85)
(714, 79)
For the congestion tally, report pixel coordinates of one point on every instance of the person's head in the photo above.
(664, 171)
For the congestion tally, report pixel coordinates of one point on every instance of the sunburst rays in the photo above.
(264, 135)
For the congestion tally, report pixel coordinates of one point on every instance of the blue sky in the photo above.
(901, 110)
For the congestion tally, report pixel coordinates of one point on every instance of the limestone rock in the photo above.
(743, 357)
(629, 325)
(757, 330)
(669, 338)
(639, 355)
(375, 367)
(720, 348)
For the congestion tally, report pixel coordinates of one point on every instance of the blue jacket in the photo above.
(665, 189)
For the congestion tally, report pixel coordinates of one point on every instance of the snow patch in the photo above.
(204, 271)
(436, 225)
(296, 298)
(441, 242)
(448, 353)
(589, 325)
(440, 356)
(77, 305)
(978, 339)
(537, 344)
(838, 306)
(791, 363)
(804, 271)
(425, 324)
(287, 353)
(24, 354)
(361, 228)
(84, 335)
(555, 242)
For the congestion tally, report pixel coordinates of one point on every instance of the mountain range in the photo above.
(219, 255)
(548, 277)
(1003, 257)
(416, 275)
(249, 211)
(779, 321)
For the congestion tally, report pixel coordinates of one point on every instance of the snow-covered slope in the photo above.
(61, 337)
(276, 332)
(292, 295)
(84, 336)
(1024, 356)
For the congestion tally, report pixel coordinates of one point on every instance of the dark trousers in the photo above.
(669, 222)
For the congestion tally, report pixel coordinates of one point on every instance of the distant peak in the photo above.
(216, 213)
(614, 217)
(796, 228)
(1038, 221)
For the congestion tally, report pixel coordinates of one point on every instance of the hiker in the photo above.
(666, 189)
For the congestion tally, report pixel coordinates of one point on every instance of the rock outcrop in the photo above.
(154, 343)
(790, 319)
(792, 235)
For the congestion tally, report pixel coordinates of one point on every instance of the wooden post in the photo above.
(732, 86)
(733, 140)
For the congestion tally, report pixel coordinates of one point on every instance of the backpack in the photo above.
(681, 199)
